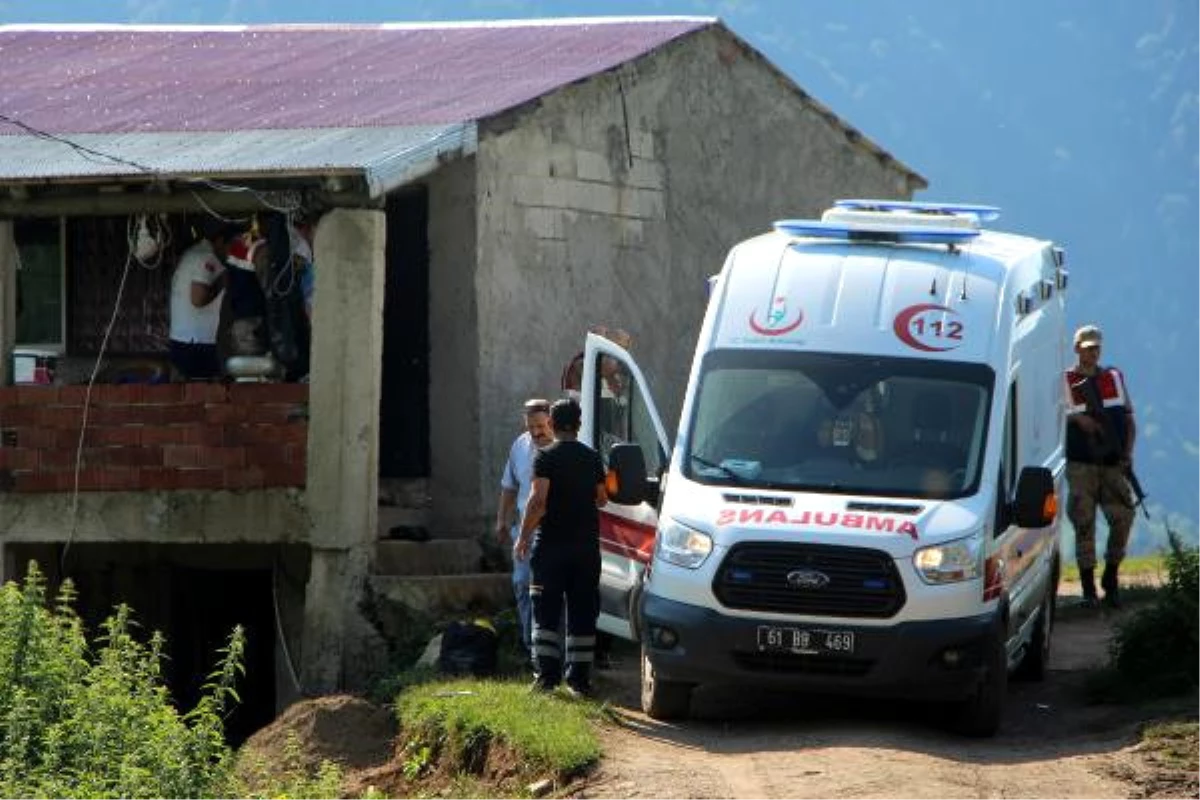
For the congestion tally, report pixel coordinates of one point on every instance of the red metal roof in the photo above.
(122, 79)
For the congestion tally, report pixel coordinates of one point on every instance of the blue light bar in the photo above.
(981, 213)
(896, 234)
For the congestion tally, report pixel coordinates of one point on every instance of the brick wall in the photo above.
(170, 436)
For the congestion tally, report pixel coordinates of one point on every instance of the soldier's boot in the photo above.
(1109, 583)
(1087, 577)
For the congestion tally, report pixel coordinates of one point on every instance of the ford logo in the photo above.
(807, 579)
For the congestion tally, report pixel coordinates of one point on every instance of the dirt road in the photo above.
(752, 744)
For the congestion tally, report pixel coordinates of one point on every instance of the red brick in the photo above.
(244, 478)
(180, 412)
(114, 435)
(182, 455)
(90, 480)
(36, 482)
(204, 434)
(201, 479)
(59, 417)
(284, 475)
(158, 478)
(37, 395)
(224, 413)
(16, 416)
(36, 437)
(8, 396)
(124, 394)
(292, 433)
(204, 393)
(227, 457)
(162, 393)
(120, 478)
(264, 454)
(275, 413)
(297, 454)
(22, 458)
(55, 459)
(163, 434)
(258, 393)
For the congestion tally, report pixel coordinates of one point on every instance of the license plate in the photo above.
(804, 641)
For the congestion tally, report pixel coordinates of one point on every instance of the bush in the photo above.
(76, 723)
(1157, 649)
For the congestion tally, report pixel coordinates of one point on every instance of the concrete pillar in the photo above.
(8, 298)
(343, 435)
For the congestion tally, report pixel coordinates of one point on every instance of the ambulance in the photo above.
(862, 496)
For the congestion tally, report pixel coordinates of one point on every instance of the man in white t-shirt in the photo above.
(196, 290)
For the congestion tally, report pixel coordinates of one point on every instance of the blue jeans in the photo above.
(521, 575)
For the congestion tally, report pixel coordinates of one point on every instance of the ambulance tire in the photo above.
(979, 715)
(1036, 661)
(663, 700)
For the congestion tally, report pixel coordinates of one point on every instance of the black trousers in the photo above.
(569, 572)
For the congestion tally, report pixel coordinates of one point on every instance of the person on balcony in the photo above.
(196, 288)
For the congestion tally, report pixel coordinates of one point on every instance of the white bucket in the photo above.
(33, 366)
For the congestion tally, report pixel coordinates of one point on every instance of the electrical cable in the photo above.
(287, 654)
(87, 400)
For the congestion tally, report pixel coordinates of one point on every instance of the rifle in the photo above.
(1109, 439)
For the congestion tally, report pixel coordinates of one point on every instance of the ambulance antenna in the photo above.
(933, 287)
(966, 273)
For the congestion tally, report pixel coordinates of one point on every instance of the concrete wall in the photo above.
(455, 346)
(611, 201)
(343, 445)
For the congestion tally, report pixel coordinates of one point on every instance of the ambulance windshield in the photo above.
(849, 424)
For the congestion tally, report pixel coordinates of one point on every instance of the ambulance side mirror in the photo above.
(1036, 504)
(626, 479)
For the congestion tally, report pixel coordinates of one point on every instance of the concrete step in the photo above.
(404, 492)
(391, 516)
(441, 596)
(435, 557)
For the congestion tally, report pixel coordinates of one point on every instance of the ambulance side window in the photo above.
(622, 415)
(1008, 464)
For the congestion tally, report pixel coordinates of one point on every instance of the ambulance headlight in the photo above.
(950, 562)
(678, 544)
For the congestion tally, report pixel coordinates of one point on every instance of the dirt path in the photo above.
(751, 744)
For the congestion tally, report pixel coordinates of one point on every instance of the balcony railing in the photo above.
(153, 437)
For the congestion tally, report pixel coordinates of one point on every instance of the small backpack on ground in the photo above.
(468, 648)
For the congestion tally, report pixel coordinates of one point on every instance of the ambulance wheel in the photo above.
(979, 715)
(1036, 661)
(664, 700)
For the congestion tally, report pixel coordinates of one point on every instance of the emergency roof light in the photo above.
(978, 212)
(870, 231)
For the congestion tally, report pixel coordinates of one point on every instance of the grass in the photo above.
(1134, 566)
(1176, 744)
(458, 718)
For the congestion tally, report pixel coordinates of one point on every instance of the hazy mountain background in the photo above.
(1077, 117)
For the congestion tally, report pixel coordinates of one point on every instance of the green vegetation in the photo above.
(289, 778)
(1155, 652)
(1133, 567)
(80, 720)
(455, 723)
(1174, 744)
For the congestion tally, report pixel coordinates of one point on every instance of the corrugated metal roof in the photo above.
(386, 157)
(383, 100)
(133, 79)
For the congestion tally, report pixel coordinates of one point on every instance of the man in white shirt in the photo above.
(514, 492)
(196, 288)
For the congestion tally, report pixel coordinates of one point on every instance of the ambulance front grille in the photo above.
(810, 579)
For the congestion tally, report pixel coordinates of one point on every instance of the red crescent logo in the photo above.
(759, 329)
(903, 328)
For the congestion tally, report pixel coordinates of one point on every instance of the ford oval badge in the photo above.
(807, 579)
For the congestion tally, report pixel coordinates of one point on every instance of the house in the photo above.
(486, 190)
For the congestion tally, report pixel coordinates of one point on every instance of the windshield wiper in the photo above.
(721, 468)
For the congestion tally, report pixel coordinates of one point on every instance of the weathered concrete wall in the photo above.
(613, 200)
(343, 442)
(454, 401)
(264, 516)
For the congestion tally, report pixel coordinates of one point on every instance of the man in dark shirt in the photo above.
(568, 488)
(1100, 437)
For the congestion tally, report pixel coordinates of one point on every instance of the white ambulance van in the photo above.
(862, 495)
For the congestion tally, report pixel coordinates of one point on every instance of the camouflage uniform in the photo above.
(1103, 485)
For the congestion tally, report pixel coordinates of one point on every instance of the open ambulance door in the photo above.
(617, 409)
